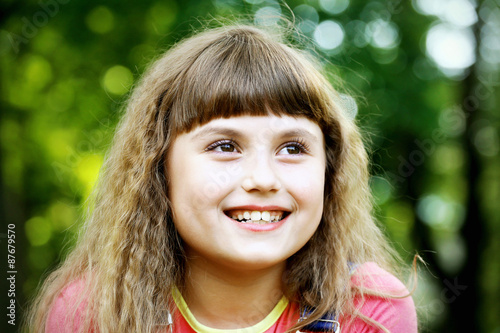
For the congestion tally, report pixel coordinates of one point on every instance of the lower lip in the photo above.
(260, 227)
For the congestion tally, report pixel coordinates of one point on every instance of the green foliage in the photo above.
(66, 68)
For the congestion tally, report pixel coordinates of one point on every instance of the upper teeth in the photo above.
(256, 216)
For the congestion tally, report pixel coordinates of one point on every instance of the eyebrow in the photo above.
(299, 132)
(293, 132)
(207, 131)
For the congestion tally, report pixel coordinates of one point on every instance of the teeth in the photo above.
(256, 215)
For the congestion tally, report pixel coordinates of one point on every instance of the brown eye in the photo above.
(226, 147)
(223, 146)
(292, 149)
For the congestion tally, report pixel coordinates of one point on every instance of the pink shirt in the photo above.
(397, 315)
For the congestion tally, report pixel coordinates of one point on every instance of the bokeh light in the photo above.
(439, 213)
(490, 36)
(486, 141)
(118, 80)
(308, 18)
(38, 231)
(329, 35)
(267, 16)
(458, 12)
(334, 6)
(451, 48)
(100, 20)
(382, 34)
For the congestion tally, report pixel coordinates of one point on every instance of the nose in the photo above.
(261, 175)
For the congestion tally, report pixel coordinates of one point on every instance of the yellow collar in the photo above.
(260, 327)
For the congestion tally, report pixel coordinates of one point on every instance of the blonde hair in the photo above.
(130, 255)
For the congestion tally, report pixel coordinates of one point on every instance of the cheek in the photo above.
(191, 201)
(308, 184)
(200, 184)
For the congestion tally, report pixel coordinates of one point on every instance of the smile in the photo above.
(257, 217)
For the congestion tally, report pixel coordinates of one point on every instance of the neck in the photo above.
(228, 298)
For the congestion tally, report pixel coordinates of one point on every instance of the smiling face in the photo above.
(247, 192)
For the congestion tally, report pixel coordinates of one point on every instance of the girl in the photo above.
(235, 198)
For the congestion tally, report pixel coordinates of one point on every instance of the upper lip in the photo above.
(258, 208)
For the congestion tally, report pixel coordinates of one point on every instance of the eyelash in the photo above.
(219, 143)
(299, 142)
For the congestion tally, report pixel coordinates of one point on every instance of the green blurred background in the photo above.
(425, 74)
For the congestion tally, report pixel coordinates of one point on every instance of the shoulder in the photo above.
(68, 309)
(372, 276)
(396, 313)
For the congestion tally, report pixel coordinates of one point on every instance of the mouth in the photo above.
(256, 216)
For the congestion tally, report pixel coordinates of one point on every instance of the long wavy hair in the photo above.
(129, 254)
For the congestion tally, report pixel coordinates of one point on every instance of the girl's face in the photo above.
(247, 192)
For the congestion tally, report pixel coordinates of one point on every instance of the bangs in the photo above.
(243, 72)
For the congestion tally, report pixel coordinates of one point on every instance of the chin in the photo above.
(255, 261)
